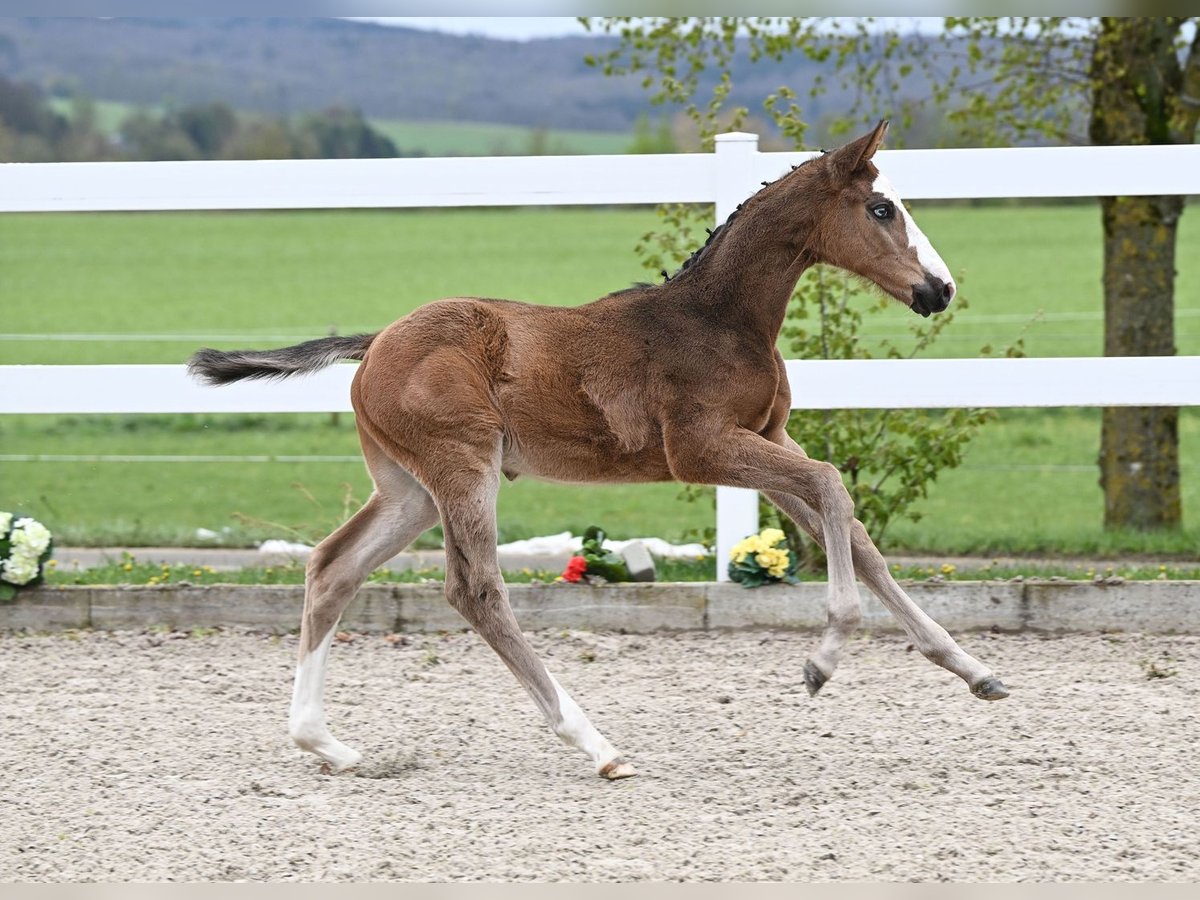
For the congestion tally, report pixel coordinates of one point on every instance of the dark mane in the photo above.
(715, 233)
(636, 286)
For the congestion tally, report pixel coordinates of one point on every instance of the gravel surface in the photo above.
(155, 756)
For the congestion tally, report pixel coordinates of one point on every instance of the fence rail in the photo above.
(815, 384)
(724, 178)
(578, 180)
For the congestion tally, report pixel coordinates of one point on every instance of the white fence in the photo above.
(724, 178)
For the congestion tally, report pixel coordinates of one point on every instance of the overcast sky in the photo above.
(526, 27)
(510, 27)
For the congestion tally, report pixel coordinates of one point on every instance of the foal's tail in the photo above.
(224, 367)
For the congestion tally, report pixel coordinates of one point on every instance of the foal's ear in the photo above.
(853, 156)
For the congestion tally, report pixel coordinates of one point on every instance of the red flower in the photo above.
(576, 566)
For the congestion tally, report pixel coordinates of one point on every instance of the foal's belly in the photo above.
(582, 463)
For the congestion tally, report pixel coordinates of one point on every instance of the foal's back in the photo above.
(565, 393)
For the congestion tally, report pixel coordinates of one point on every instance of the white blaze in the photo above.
(926, 255)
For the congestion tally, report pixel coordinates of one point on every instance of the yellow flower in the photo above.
(762, 547)
(774, 560)
(745, 547)
(771, 536)
(949, 568)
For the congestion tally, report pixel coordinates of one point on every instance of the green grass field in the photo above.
(109, 113)
(152, 287)
(431, 138)
(485, 139)
(285, 275)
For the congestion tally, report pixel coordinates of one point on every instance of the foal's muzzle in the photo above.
(931, 296)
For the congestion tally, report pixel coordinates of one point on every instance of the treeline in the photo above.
(33, 130)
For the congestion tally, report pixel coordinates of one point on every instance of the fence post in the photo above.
(737, 508)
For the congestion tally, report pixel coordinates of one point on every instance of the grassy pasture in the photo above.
(285, 275)
(433, 138)
(152, 287)
(109, 113)
(487, 139)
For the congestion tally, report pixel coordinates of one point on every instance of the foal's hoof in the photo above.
(814, 678)
(345, 760)
(991, 688)
(616, 769)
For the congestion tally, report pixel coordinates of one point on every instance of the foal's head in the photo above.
(866, 230)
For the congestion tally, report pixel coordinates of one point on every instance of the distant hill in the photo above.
(295, 65)
(284, 66)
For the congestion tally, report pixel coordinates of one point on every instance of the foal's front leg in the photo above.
(741, 458)
(928, 636)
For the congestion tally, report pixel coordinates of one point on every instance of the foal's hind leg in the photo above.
(398, 511)
(475, 587)
(927, 635)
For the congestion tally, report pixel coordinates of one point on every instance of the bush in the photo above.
(889, 458)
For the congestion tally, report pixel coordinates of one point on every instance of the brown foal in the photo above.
(680, 380)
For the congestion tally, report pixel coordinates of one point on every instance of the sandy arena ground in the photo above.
(153, 756)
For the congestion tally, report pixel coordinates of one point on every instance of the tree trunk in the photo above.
(1136, 77)
(1139, 447)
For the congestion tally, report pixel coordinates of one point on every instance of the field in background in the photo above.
(109, 113)
(1031, 271)
(430, 138)
(152, 287)
(482, 139)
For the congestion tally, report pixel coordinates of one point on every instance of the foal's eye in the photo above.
(883, 211)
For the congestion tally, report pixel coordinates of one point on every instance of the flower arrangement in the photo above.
(762, 558)
(594, 563)
(25, 546)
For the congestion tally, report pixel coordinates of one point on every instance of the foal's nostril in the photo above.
(939, 293)
(932, 295)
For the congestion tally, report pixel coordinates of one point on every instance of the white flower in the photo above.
(27, 541)
(30, 536)
(19, 570)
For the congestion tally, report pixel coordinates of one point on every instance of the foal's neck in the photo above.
(750, 269)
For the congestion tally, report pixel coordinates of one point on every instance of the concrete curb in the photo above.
(1153, 607)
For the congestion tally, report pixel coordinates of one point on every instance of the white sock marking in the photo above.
(306, 721)
(576, 730)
